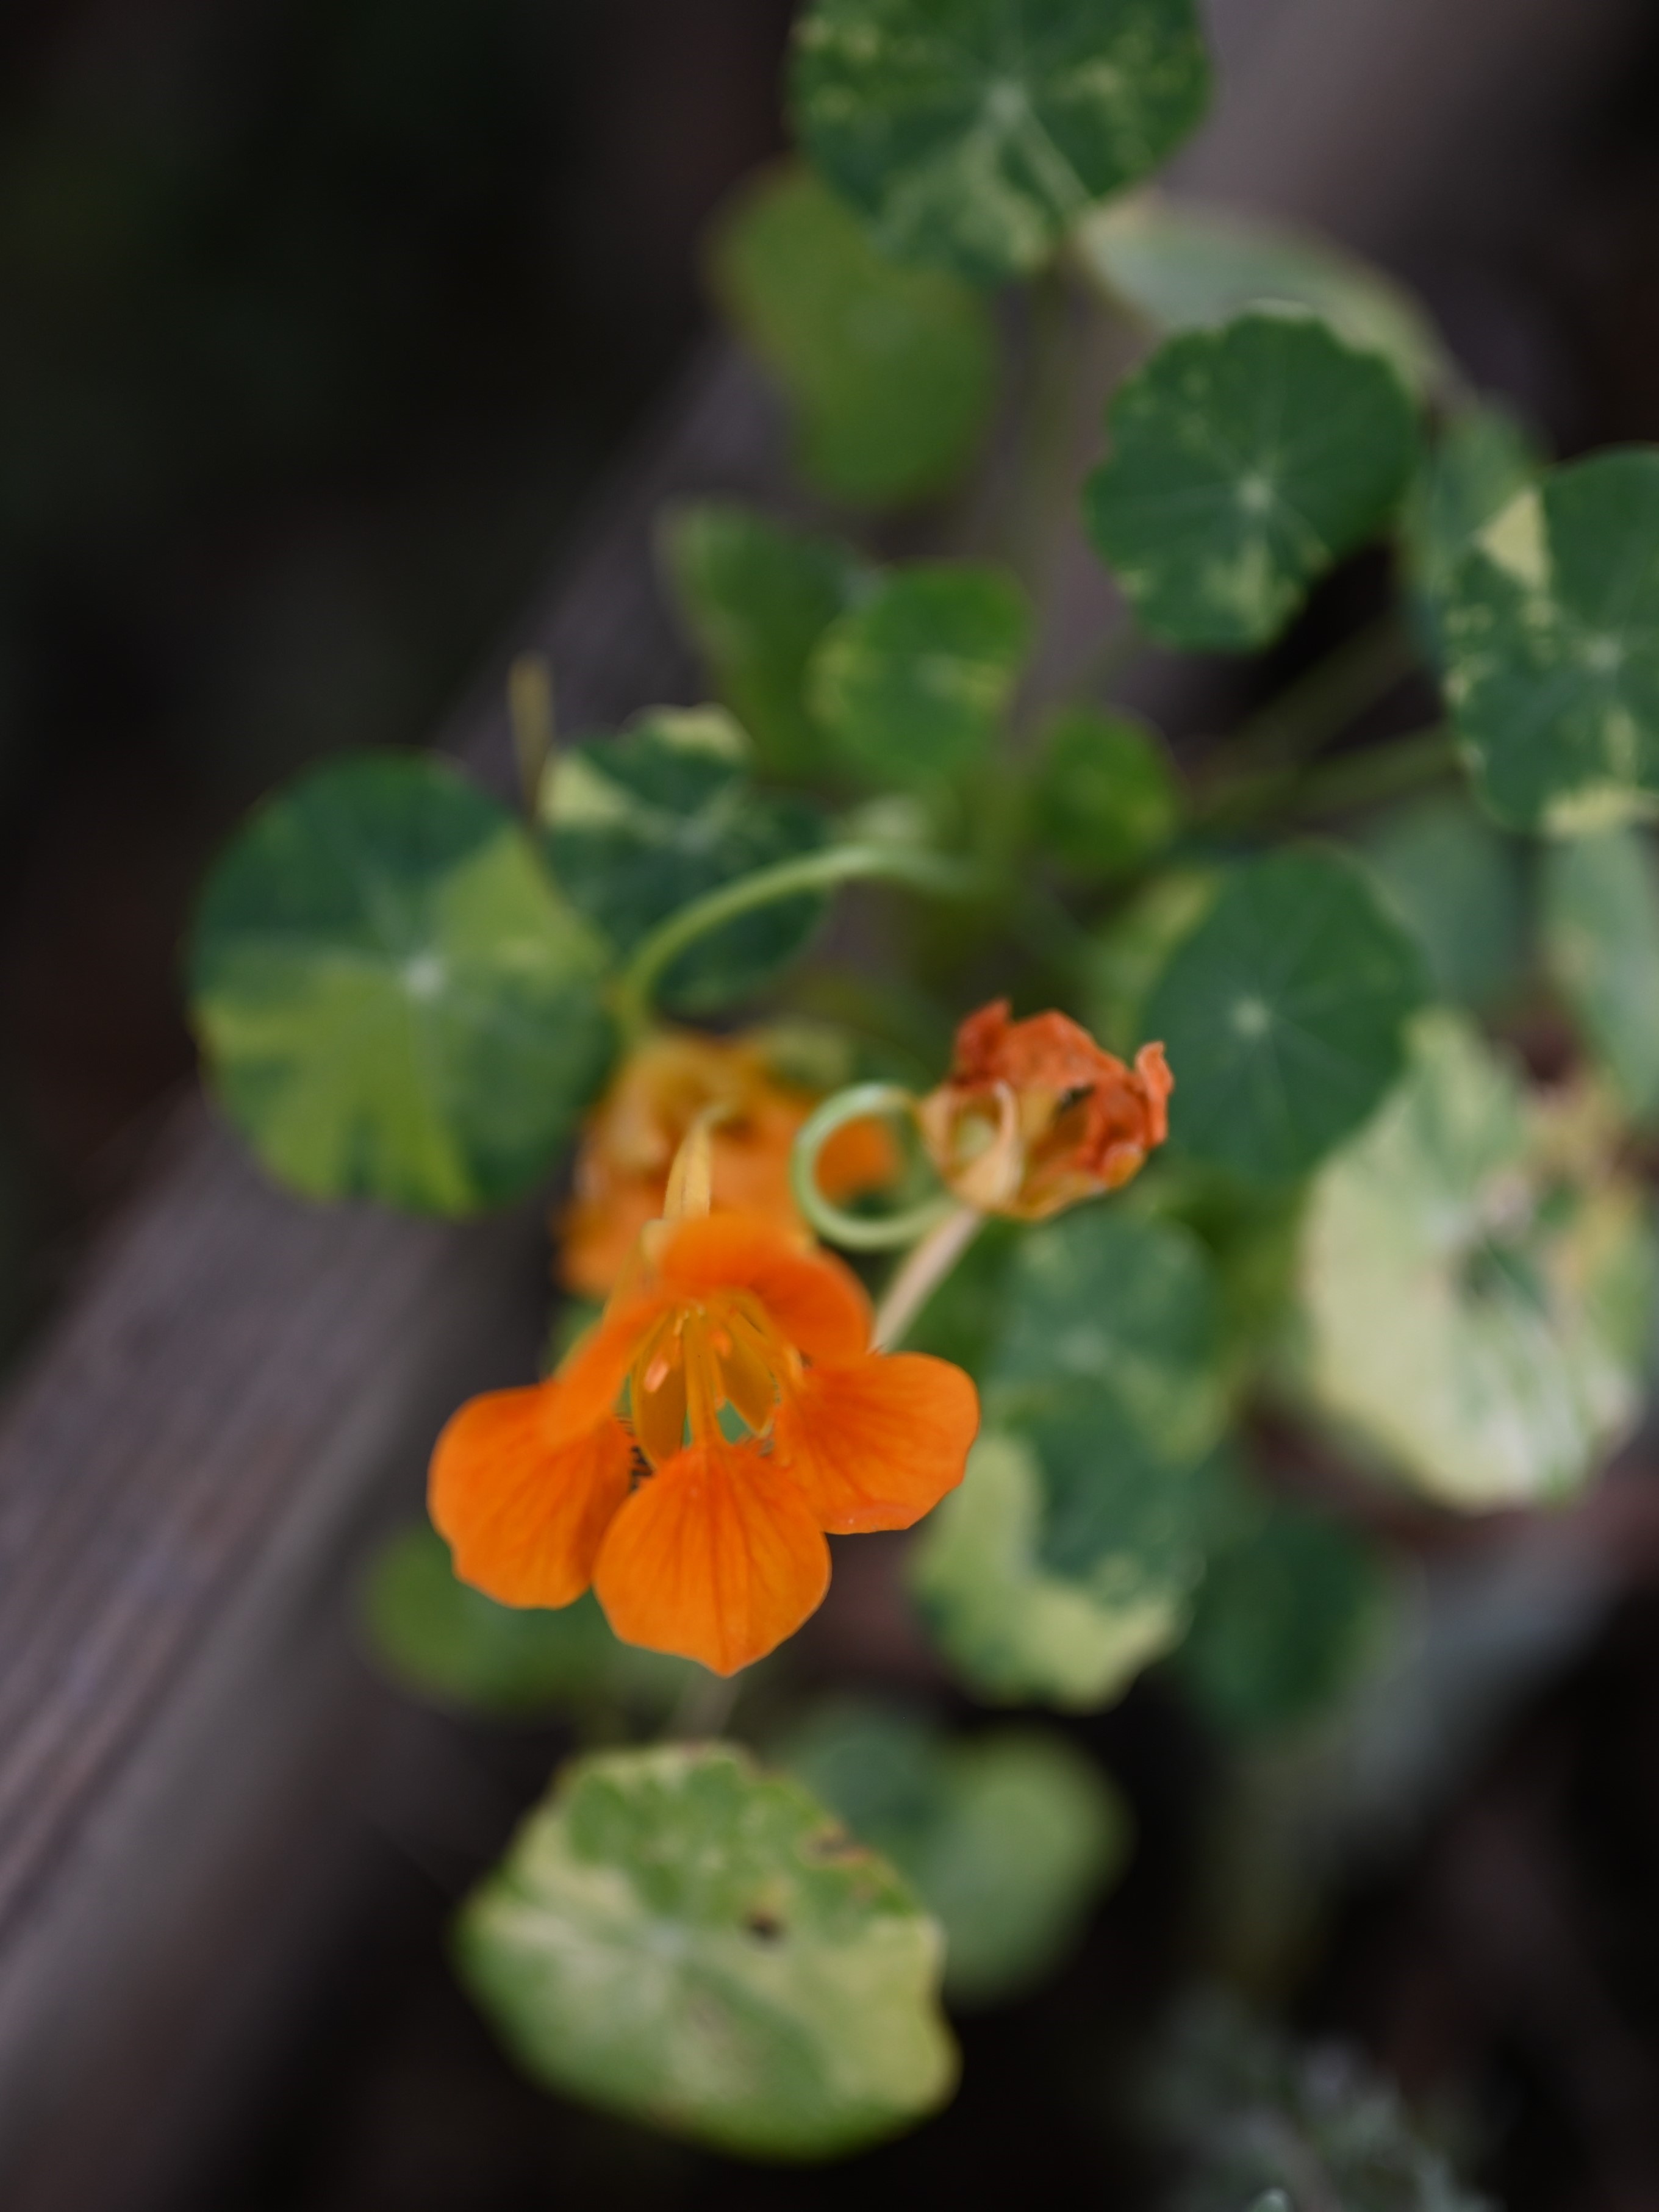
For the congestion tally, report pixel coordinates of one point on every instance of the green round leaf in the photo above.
(1129, 954)
(974, 133)
(679, 1938)
(911, 686)
(452, 1644)
(756, 597)
(1600, 920)
(1105, 799)
(1460, 887)
(1477, 1288)
(1245, 462)
(1283, 1015)
(1016, 1630)
(640, 826)
(891, 372)
(1482, 460)
(1183, 265)
(1010, 1836)
(393, 1001)
(1553, 652)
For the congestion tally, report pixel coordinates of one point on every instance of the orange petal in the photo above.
(598, 1235)
(814, 1301)
(523, 1513)
(876, 1443)
(591, 1378)
(716, 1557)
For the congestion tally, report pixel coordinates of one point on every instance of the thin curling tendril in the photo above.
(856, 1233)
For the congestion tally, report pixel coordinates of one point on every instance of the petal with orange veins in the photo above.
(716, 1557)
(813, 1301)
(591, 1376)
(523, 1513)
(876, 1443)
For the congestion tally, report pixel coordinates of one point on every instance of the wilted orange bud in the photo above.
(1036, 1116)
(674, 1080)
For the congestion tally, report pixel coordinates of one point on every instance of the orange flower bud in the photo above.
(1036, 1116)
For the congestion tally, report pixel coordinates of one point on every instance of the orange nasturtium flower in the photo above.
(676, 1079)
(725, 1412)
(1036, 1116)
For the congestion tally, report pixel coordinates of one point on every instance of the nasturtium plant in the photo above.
(1460, 886)
(756, 596)
(1477, 1286)
(638, 825)
(1011, 1835)
(688, 1941)
(1552, 661)
(890, 372)
(1600, 930)
(1245, 462)
(974, 133)
(393, 999)
(1183, 264)
(1285, 1011)
(1482, 460)
(1106, 797)
(910, 685)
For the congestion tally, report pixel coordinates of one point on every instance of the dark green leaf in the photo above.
(1246, 461)
(1481, 461)
(1551, 648)
(1459, 885)
(679, 1938)
(1132, 951)
(452, 1644)
(1601, 941)
(891, 372)
(393, 1002)
(640, 826)
(911, 686)
(756, 597)
(1105, 799)
(1009, 1835)
(1185, 266)
(1283, 1014)
(974, 133)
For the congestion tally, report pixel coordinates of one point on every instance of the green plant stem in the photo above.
(704, 1708)
(856, 1233)
(920, 1273)
(814, 872)
(1322, 704)
(1338, 787)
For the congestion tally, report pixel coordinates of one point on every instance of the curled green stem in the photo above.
(857, 1233)
(921, 871)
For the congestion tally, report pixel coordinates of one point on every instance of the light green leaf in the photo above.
(1017, 1630)
(638, 826)
(891, 372)
(1460, 887)
(1010, 1835)
(1601, 924)
(393, 1001)
(911, 686)
(974, 133)
(1187, 265)
(457, 1647)
(1476, 1285)
(1245, 462)
(1551, 648)
(1283, 1014)
(1105, 797)
(678, 1937)
(756, 597)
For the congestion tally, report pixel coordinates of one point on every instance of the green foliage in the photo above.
(393, 1002)
(1284, 1014)
(638, 826)
(1600, 930)
(1253, 2120)
(684, 1939)
(456, 1646)
(756, 597)
(1477, 1287)
(1010, 1836)
(1016, 1630)
(1287, 1614)
(974, 133)
(910, 685)
(1245, 461)
(1482, 460)
(1130, 953)
(1459, 885)
(1184, 265)
(891, 372)
(1552, 652)
(1105, 797)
